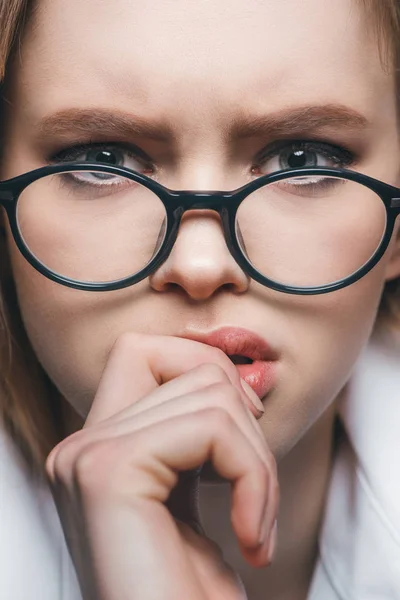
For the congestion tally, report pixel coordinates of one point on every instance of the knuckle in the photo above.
(127, 341)
(225, 394)
(218, 419)
(101, 470)
(213, 373)
(49, 465)
(92, 465)
(220, 355)
(59, 462)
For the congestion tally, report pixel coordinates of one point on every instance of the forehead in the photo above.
(194, 56)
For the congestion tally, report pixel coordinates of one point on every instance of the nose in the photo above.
(200, 263)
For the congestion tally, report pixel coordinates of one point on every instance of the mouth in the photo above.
(252, 356)
(238, 359)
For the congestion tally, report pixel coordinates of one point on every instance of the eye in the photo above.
(296, 155)
(112, 155)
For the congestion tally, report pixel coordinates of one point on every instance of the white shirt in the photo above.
(359, 539)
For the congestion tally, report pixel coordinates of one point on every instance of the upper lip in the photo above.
(236, 341)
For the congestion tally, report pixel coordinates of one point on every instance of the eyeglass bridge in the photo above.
(193, 200)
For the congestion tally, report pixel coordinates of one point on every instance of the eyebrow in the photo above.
(306, 119)
(106, 122)
(297, 121)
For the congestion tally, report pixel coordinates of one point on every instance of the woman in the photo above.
(151, 334)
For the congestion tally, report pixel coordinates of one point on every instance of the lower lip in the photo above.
(259, 375)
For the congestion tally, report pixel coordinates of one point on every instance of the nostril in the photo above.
(238, 359)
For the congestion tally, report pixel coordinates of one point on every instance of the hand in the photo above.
(124, 484)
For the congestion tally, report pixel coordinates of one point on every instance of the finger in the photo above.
(145, 466)
(220, 395)
(196, 379)
(150, 411)
(138, 364)
(268, 529)
(146, 413)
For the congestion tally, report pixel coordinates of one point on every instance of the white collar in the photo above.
(34, 560)
(360, 535)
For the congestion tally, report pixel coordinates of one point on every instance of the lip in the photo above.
(261, 373)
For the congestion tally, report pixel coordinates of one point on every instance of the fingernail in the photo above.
(254, 399)
(272, 541)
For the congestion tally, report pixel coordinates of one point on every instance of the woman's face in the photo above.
(195, 72)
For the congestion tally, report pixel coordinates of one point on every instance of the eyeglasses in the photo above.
(100, 227)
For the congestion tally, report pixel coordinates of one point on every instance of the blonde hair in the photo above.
(29, 402)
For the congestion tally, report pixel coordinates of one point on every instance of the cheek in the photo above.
(54, 319)
(304, 234)
(72, 332)
(322, 339)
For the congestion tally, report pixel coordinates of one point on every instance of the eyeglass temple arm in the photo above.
(395, 203)
(6, 197)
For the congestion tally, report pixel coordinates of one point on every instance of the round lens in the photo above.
(91, 226)
(310, 231)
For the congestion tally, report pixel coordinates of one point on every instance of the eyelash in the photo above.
(340, 156)
(71, 153)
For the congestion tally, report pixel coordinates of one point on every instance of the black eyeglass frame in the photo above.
(176, 203)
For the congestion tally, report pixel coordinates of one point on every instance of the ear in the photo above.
(392, 269)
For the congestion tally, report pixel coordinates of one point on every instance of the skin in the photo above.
(267, 57)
